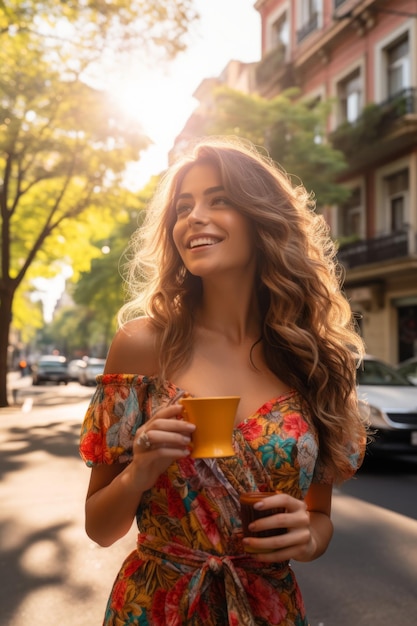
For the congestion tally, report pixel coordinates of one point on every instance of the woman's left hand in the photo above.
(307, 535)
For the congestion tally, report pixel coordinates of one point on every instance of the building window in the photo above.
(349, 94)
(308, 9)
(398, 66)
(350, 215)
(309, 16)
(396, 187)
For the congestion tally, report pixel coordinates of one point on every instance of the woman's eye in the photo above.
(220, 201)
(182, 208)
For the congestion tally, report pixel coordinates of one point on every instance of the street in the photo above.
(52, 573)
(368, 575)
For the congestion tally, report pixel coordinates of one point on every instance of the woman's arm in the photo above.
(319, 504)
(115, 491)
(111, 503)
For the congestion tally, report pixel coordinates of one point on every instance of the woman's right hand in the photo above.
(165, 438)
(115, 490)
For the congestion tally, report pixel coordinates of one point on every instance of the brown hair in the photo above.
(308, 333)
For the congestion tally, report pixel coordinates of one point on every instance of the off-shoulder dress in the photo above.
(189, 566)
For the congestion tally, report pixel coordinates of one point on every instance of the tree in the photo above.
(291, 130)
(63, 145)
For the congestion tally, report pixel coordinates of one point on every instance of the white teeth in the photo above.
(203, 241)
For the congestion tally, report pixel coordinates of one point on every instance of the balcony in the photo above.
(380, 130)
(273, 72)
(402, 103)
(269, 66)
(385, 248)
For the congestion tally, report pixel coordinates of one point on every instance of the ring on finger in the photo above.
(145, 441)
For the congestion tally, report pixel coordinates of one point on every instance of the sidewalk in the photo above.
(16, 386)
(51, 572)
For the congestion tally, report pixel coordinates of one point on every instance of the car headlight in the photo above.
(377, 417)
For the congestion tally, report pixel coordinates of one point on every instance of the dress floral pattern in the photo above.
(189, 566)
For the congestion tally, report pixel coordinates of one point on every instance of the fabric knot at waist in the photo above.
(198, 569)
(215, 564)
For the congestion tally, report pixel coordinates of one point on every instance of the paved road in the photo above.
(52, 574)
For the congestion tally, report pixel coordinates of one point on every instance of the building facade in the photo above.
(362, 55)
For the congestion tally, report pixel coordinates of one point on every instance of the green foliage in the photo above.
(27, 316)
(86, 30)
(87, 327)
(291, 130)
(75, 332)
(64, 145)
(63, 150)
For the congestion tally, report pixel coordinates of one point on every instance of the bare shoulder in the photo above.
(133, 349)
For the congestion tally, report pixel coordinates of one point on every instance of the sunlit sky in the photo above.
(161, 98)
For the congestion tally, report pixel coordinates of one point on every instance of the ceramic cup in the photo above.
(249, 514)
(214, 419)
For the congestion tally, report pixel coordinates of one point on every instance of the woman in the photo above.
(236, 275)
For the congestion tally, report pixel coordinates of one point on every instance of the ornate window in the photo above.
(349, 94)
(309, 17)
(398, 66)
(351, 215)
(396, 187)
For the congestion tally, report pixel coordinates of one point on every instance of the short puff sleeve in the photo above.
(355, 453)
(119, 406)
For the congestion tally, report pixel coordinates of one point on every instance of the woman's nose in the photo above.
(197, 215)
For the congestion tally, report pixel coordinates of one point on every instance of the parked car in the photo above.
(391, 404)
(50, 368)
(75, 367)
(94, 367)
(408, 369)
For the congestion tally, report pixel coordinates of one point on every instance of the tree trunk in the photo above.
(6, 301)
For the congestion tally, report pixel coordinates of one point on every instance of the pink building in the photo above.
(363, 55)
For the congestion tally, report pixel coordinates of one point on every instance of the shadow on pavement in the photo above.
(47, 395)
(46, 559)
(59, 439)
(38, 562)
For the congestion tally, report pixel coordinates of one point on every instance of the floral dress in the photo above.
(189, 566)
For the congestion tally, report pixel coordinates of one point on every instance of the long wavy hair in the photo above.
(308, 332)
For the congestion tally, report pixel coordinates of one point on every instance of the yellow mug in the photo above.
(214, 419)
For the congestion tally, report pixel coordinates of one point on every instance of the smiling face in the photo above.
(211, 236)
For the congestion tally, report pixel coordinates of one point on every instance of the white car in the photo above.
(391, 403)
(74, 369)
(93, 368)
